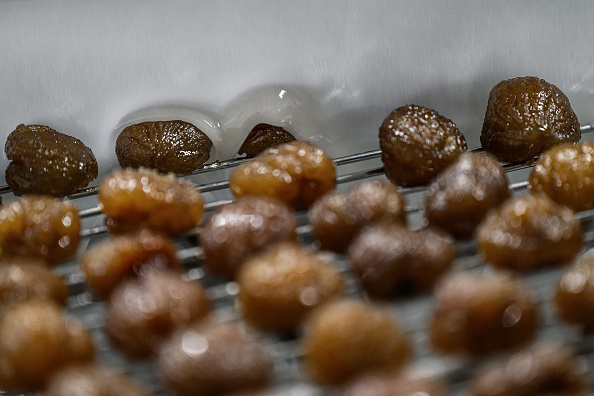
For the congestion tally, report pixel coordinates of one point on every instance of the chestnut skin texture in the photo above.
(565, 173)
(134, 198)
(479, 314)
(417, 143)
(167, 146)
(526, 116)
(297, 173)
(37, 340)
(347, 337)
(242, 228)
(39, 227)
(548, 369)
(530, 232)
(210, 358)
(460, 197)
(280, 287)
(263, 136)
(47, 162)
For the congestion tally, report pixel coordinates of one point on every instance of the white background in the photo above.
(80, 66)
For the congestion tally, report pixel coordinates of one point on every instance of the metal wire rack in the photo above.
(413, 311)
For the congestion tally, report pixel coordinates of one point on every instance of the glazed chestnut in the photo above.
(167, 146)
(24, 279)
(143, 312)
(91, 380)
(37, 340)
(417, 143)
(345, 338)
(39, 227)
(243, 228)
(263, 136)
(548, 369)
(278, 288)
(337, 218)
(121, 257)
(133, 198)
(47, 162)
(210, 358)
(386, 382)
(390, 259)
(297, 173)
(574, 295)
(460, 197)
(480, 314)
(526, 116)
(565, 173)
(530, 232)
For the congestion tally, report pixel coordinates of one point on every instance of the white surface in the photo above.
(81, 66)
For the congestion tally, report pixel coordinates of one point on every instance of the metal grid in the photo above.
(413, 312)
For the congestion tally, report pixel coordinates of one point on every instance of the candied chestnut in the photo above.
(91, 380)
(344, 338)
(37, 340)
(212, 359)
(243, 228)
(479, 314)
(390, 259)
(263, 136)
(132, 198)
(336, 218)
(47, 162)
(278, 288)
(39, 227)
(167, 146)
(114, 260)
(460, 197)
(566, 174)
(417, 143)
(144, 312)
(549, 369)
(574, 296)
(23, 279)
(386, 382)
(526, 116)
(530, 232)
(297, 173)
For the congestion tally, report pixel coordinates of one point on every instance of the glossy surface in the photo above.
(167, 146)
(548, 369)
(47, 162)
(39, 227)
(390, 259)
(481, 314)
(263, 136)
(530, 232)
(92, 380)
(336, 218)
(211, 359)
(115, 260)
(417, 143)
(144, 198)
(297, 173)
(566, 174)
(460, 197)
(278, 288)
(243, 228)
(344, 338)
(387, 382)
(526, 116)
(574, 295)
(37, 340)
(25, 279)
(144, 312)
